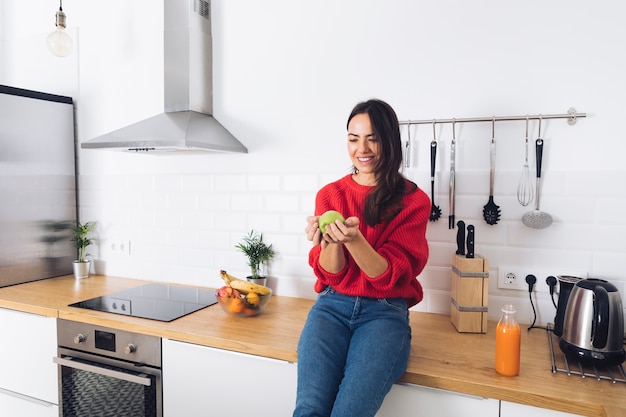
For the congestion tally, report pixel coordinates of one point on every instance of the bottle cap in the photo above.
(508, 308)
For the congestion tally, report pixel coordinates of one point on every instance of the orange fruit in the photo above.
(235, 305)
(249, 311)
(253, 299)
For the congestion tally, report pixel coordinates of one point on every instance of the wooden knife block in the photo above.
(470, 290)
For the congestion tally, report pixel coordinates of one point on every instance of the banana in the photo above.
(226, 277)
(242, 286)
(246, 287)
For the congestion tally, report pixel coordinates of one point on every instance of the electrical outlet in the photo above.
(514, 278)
(510, 278)
(120, 247)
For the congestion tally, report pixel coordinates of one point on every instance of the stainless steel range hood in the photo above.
(187, 122)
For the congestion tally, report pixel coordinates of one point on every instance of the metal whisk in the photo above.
(525, 190)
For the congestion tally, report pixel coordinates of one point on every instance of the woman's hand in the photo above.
(339, 232)
(312, 230)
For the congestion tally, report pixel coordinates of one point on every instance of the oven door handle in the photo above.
(70, 363)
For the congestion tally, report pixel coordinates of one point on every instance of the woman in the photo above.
(356, 340)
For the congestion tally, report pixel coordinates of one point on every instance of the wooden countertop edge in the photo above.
(511, 395)
(613, 411)
(29, 308)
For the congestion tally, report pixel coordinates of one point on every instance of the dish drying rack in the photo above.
(560, 363)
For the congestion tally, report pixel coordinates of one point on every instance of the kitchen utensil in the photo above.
(491, 211)
(435, 211)
(593, 326)
(460, 238)
(566, 285)
(537, 219)
(525, 191)
(407, 147)
(452, 176)
(470, 241)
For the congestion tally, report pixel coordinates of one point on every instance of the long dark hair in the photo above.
(385, 199)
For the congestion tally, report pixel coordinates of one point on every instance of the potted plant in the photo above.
(259, 254)
(82, 240)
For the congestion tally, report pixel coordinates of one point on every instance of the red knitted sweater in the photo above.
(401, 241)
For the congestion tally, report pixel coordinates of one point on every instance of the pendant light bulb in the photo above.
(59, 42)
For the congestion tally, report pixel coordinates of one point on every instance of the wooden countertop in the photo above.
(440, 356)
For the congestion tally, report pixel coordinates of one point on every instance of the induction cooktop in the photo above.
(160, 302)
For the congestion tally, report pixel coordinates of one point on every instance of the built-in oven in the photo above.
(107, 372)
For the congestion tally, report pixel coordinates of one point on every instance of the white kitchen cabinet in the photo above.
(202, 381)
(14, 405)
(28, 380)
(508, 409)
(414, 400)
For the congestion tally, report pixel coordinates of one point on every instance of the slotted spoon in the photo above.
(525, 190)
(538, 219)
(491, 211)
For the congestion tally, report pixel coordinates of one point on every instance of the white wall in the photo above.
(286, 75)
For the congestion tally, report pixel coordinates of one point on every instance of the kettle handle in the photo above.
(600, 329)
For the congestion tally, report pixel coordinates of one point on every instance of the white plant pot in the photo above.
(259, 281)
(81, 269)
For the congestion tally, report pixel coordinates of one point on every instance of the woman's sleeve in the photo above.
(323, 204)
(405, 246)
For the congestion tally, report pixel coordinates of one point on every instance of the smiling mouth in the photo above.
(365, 159)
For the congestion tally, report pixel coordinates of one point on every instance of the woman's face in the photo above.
(363, 146)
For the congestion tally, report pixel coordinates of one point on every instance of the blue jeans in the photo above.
(351, 351)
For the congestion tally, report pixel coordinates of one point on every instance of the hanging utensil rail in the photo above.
(571, 117)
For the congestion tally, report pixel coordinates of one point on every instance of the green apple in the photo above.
(328, 218)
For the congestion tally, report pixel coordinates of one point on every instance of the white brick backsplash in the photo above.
(436, 277)
(212, 239)
(184, 229)
(251, 202)
(170, 219)
(197, 183)
(609, 265)
(286, 244)
(230, 183)
(257, 183)
(140, 182)
(151, 199)
(218, 201)
(228, 221)
(167, 183)
(300, 183)
(282, 202)
(182, 201)
(293, 224)
(266, 222)
(196, 220)
(307, 203)
(139, 217)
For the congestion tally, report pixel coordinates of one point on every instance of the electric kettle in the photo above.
(566, 285)
(593, 325)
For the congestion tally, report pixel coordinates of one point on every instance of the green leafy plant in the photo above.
(82, 239)
(257, 251)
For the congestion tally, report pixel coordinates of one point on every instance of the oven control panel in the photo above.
(106, 341)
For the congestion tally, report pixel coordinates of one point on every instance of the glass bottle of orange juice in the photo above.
(508, 338)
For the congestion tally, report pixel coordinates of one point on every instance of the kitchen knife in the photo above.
(460, 238)
(470, 241)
